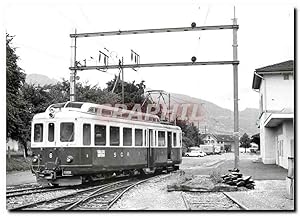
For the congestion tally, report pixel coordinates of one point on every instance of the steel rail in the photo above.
(59, 197)
(235, 201)
(34, 191)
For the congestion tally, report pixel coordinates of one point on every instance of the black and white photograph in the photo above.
(145, 106)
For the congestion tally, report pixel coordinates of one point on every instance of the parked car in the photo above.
(195, 153)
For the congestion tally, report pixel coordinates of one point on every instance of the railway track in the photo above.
(32, 190)
(93, 198)
(210, 201)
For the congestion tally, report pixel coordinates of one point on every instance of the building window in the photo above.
(86, 134)
(114, 136)
(286, 76)
(100, 135)
(67, 132)
(51, 132)
(281, 148)
(138, 137)
(127, 136)
(212, 141)
(38, 133)
(161, 138)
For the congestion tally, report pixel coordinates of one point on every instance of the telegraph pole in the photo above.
(169, 107)
(73, 73)
(122, 71)
(235, 96)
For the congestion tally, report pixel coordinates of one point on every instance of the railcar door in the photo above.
(150, 148)
(169, 150)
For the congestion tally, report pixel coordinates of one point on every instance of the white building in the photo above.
(275, 85)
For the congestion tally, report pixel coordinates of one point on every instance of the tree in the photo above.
(15, 105)
(190, 134)
(245, 141)
(133, 93)
(256, 139)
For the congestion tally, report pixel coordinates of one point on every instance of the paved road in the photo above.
(221, 163)
(19, 177)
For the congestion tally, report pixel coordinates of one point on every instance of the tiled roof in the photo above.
(225, 138)
(219, 137)
(283, 66)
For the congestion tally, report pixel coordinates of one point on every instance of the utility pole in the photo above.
(235, 95)
(73, 73)
(122, 71)
(198, 133)
(169, 107)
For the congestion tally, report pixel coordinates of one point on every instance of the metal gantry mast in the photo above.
(234, 62)
(235, 96)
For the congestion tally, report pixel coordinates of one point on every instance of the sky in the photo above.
(266, 36)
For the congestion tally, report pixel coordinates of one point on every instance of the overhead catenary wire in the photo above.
(199, 38)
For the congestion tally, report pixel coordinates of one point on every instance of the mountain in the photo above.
(39, 79)
(211, 117)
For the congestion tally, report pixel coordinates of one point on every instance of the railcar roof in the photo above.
(90, 110)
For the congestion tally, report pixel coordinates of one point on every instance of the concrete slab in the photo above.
(267, 195)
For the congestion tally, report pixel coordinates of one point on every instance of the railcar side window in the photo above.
(127, 137)
(86, 134)
(180, 140)
(38, 133)
(138, 137)
(51, 132)
(114, 136)
(67, 132)
(145, 139)
(161, 138)
(174, 139)
(100, 135)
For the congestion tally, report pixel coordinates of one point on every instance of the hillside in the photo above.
(39, 79)
(214, 118)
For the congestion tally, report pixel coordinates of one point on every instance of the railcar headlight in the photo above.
(69, 159)
(35, 159)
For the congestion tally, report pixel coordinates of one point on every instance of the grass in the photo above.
(17, 164)
(215, 176)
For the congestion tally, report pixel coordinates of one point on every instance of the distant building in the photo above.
(275, 85)
(12, 145)
(225, 141)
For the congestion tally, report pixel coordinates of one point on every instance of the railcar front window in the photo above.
(114, 136)
(86, 134)
(161, 138)
(127, 136)
(38, 133)
(138, 137)
(174, 139)
(51, 132)
(67, 132)
(100, 135)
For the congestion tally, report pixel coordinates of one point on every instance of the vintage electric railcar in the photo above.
(74, 142)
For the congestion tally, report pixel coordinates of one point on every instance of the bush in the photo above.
(17, 164)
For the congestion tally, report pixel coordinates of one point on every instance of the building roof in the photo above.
(283, 67)
(224, 137)
(219, 137)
